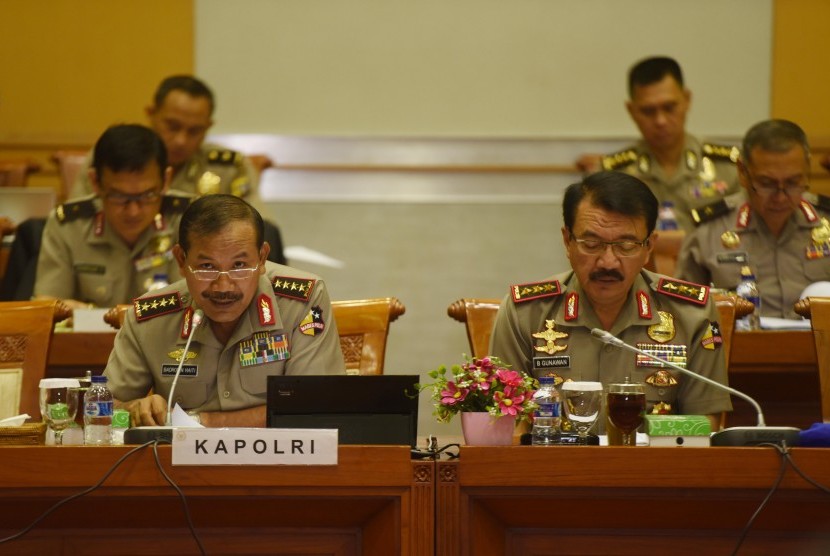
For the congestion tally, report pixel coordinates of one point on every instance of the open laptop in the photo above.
(376, 409)
(21, 203)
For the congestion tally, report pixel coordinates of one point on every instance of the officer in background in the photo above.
(676, 166)
(544, 328)
(106, 248)
(182, 114)
(783, 237)
(260, 319)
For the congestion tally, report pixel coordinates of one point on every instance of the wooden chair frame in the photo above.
(817, 309)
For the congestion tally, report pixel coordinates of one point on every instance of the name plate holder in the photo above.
(253, 446)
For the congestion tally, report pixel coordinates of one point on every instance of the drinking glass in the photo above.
(582, 401)
(59, 404)
(626, 406)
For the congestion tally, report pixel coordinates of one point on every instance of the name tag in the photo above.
(738, 257)
(187, 370)
(555, 362)
(249, 446)
(89, 268)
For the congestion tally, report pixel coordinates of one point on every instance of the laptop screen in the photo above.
(376, 409)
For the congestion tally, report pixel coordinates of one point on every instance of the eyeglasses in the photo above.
(766, 187)
(123, 199)
(626, 248)
(233, 274)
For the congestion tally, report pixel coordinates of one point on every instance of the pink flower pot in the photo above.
(481, 429)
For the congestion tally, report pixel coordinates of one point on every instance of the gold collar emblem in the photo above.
(549, 335)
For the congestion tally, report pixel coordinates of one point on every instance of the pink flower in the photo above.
(453, 394)
(509, 378)
(508, 402)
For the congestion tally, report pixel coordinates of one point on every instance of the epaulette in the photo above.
(687, 291)
(535, 290)
(721, 152)
(225, 157)
(294, 288)
(147, 308)
(174, 203)
(710, 212)
(68, 212)
(618, 160)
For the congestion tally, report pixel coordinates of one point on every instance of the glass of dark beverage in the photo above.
(626, 405)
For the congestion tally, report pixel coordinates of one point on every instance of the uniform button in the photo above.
(608, 348)
(226, 394)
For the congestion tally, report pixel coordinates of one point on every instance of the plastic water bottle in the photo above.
(666, 219)
(546, 419)
(159, 281)
(98, 413)
(748, 289)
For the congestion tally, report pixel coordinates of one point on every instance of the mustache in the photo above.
(601, 274)
(222, 296)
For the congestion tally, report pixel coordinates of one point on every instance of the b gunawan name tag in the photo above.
(250, 446)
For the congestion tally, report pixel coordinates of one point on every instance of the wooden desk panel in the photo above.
(375, 501)
(778, 368)
(615, 500)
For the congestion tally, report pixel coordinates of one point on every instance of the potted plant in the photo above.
(490, 397)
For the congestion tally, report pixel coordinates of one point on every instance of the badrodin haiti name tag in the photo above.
(249, 446)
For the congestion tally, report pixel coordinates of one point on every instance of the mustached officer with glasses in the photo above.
(105, 249)
(545, 327)
(260, 319)
(782, 235)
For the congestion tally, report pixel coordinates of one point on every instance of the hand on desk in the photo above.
(146, 412)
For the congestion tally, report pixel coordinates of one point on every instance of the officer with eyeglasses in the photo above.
(104, 249)
(544, 328)
(260, 319)
(777, 230)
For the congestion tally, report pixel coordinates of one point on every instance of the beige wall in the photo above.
(71, 68)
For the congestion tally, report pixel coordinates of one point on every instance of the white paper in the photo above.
(775, 323)
(16, 421)
(90, 320)
(642, 439)
(182, 419)
(301, 253)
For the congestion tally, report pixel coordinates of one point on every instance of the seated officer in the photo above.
(181, 113)
(260, 319)
(676, 166)
(783, 238)
(106, 248)
(544, 328)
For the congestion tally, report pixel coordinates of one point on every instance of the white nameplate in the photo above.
(238, 446)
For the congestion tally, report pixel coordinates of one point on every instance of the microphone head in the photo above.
(601, 334)
(198, 315)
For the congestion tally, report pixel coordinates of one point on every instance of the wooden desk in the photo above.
(615, 500)
(72, 353)
(375, 501)
(778, 368)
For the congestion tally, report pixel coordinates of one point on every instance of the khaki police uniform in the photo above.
(81, 257)
(706, 173)
(287, 329)
(213, 169)
(731, 237)
(545, 329)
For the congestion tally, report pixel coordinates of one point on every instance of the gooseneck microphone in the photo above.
(195, 322)
(140, 435)
(732, 436)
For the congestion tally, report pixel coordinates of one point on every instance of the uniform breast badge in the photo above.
(263, 347)
(730, 239)
(662, 380)
(549, 335)
(664, 331)
(673, 353)
(176, 354)
(208, 184)
(820, 236)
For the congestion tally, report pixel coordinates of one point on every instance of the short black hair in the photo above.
(614, 192)
(187, 83)
(209, 215)
(651, 70)
(128, 148)
(776, 136)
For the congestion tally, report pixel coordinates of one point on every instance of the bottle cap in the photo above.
(98, 379)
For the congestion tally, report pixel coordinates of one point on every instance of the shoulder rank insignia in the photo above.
(687, 291)
(710, 212)
(224, 156)
(150, 307)
(618, 160)
(822, 202)
(535, 290)
(174, 203)
(68, 212)
(295, 288)
(721, 152)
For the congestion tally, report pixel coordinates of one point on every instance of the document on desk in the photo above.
(775, 323)
(251, 446)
